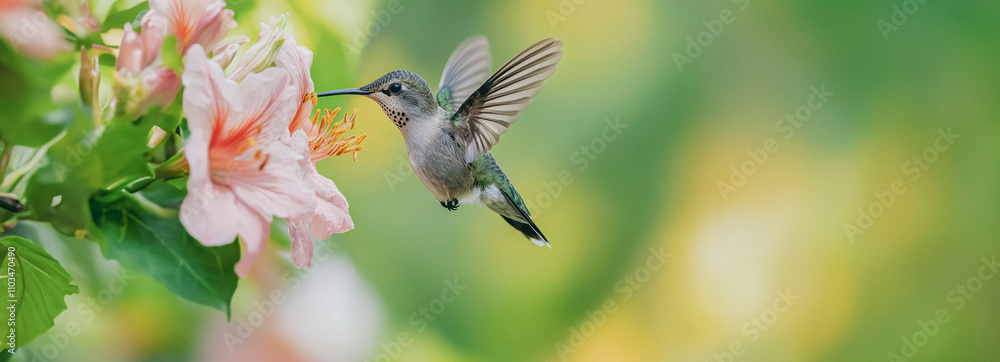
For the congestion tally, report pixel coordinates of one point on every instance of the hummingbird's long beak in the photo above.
(357, 91)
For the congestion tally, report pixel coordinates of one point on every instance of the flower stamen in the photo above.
(325, 135)
(310, 97)
(263, 163)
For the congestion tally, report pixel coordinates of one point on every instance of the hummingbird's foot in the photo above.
(451, 204)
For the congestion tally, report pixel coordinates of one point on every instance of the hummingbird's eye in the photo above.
(395, 88)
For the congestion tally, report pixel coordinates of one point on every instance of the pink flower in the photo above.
(329, 216)
(142, 81)
(316, 140)
(262, 53)
(243, 169)
(226, 49)
(30, 30)
(202, 22)
(139, 50)
(296, 60)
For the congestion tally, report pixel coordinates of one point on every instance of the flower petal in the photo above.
(279, 188)
(161, 86)
(331, 214)
(269, 101)
(32, 32)
(261, 54)
(208, 95)
(129, 59)
(215, 22)
(226, 50)
(254, 231)
(208, 212)
(296, 60)
(202, 22)
(154, 30)
(301, 242)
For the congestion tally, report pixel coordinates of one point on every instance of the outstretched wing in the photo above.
(492, 108)
(467, 68)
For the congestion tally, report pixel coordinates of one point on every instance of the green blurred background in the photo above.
(763, 273)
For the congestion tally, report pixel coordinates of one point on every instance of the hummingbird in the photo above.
(449, 134)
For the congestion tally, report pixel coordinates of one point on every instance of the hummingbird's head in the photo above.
(403, 95)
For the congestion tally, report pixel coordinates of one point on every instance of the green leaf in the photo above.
(171, 58)
(40, 286)
(118, 19)
(107, 11)
(241, 8)
(85, 162)
(144, 234)
(30, 116)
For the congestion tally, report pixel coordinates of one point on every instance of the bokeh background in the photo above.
(621, 157)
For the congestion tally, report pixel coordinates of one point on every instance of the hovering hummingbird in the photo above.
(449, 135)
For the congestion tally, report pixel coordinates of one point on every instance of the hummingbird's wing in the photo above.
(467, 68)
(495, 105)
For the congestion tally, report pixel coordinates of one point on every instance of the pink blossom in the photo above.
(262, 53)
(316, 141)
(296, 60)
(226, 49)
(139, 50)
(30, 30)
(243, 169)
(202, 22)
(142, 81)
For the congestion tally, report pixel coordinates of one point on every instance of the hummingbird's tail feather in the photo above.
(527, 227)
(529, 231)
(500, 196)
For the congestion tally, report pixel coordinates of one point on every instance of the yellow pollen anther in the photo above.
(325, 135)
(311, 97)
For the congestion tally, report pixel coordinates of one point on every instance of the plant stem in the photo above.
(5, 159)
(32, 163)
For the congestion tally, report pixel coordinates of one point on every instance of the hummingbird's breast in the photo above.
(439, 161)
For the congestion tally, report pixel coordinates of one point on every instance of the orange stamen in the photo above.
(264, 163)
(325, 136)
